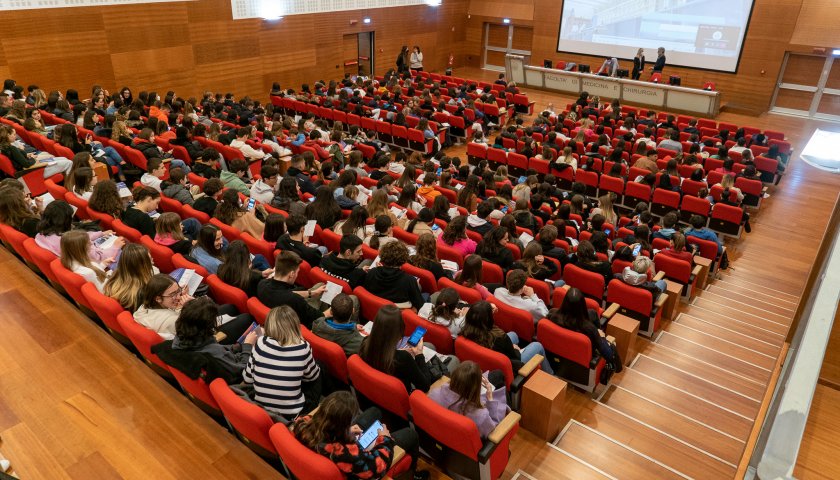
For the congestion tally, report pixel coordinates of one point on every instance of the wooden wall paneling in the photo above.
(829, 104)
(513, 9)
(497, 35)
(175, 64)
(523, 38)
(803, 69)
(795, 99)
(495, 58)
(817, 24)
(833, 80)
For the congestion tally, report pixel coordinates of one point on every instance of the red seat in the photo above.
(161, 255)
(540, 166)
(105, 221)
(491, 273)
(143, 340)
(330, 354)
(80, 203)
(257, 309)
(258, 246)
(512, 319)
(317, 275)
(489, 359)
(131, 234)
(692, 188)
(694, 206)
(370, 303)
(57, 191)
(517, 162)
(386, 391)
(436, 334)
(445, 252)
(16, 240)
(590, 283)
(428, 284)
(229, 232)
(248, 420)
(636, 303)
(570, 354)
(225, 294)
(72, 284)
(404, 236)
(497, 155)
(590, 179)
(752, 190)
(198, 392)
(727, 220)
(42, 258)
(106, 308)
(178, 261)
(678, 271)
(467, 294)
(454, 442)
(611, 184)
(664, 201)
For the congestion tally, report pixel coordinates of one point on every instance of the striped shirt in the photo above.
(277, 373)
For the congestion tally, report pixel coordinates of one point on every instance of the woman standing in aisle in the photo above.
(416, 62)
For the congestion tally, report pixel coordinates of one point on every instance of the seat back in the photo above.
(590, 283)
(259, 246)
(565, 343)
(302, 461)
(162, 255)
(80, 203)
(198, 392)
(708, 248)
(258, 310)
(329, 353)
(131, 234)
(178, 261)
(16, 239)
(143, 340)
(428, 284)
(445, 252)
(370, 303)
(512, 319)
(225, 294)
(674, 268)
(491, 273)
(457, 432)
(386, 391)
(317, 275)
(635, 299)
(436, 334)
(486, 358)
(72, 283)
(250, 421)
(467, 294)
(105, 307)
(42, 258)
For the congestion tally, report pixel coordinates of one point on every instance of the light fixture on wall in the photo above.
(271, 11)
(835, 52)
(366, 20)
(433, 3)
(506, 21)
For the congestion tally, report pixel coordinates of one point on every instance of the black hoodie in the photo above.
(395, 285)
(343, 269)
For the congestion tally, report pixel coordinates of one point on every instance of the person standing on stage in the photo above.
(416, 62)
(638, 64)
(660, 61)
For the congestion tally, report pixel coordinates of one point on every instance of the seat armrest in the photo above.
(696, 271)
(440, 381)
(532, 365)
(220, 336)
(399, 453)
(660, 301)
(609, 312)
(504, 427)
(659, 276)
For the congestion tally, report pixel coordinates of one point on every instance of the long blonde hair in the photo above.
(119, 129)
(728, 181)
(134, 270)
(607, 210)
(283, 325)
(75, 246)
(378, 203)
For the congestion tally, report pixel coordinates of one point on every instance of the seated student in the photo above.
(324, 208)
(548, 234)
(134, 270)
(17, 211)
(339, 327)
(169, 232)
(333, 432)
(477, 222)
(355, 224)
(390, 282)
(455, 236)
(85, 180)
(669, 223)
(206, 164)
(470, 276)
(575, 316)
(22, 160)
(207, 203)
(463, 395)
(281, 368)
(264, 188)
(424, 223)
(239, 271)
(379, 350)
(153, 178)
(57, 220)
(518, 295)
(449, 311)
(75, 246)
(698, 229)
(601, 243)
(586, 259)
(195, 337)
(275, 227)
(677, 249)
(230, 211)
(523, 216)
(176, 187)
(428, 190)
(296, 171)
(240, 143)
(281, 289)
(534, 264)
(288, 197)
(492, 248)
(383, 233)
(233, 178)
(479, 328)
(160, 302)
(209, 248)
(426, 257)
(136, 216)
(345, 264)
(640, 274)
(294, 240)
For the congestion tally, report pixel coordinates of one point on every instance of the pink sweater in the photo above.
(53, 244)
(465, 246)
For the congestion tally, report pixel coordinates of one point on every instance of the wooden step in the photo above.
(761, 321)
(702, 388)
(615, 458)
(724, 343)
(710, 413)
(715, 357)
(707, 371)
(552, 462)
(713, 323)
(742, 286)
(746, 309)
(723, 296)
(717, 444)
(655, 444)
(757, 294)
(756, 279)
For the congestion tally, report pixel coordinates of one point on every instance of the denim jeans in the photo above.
(260, 263)
(178, 163)
(113, 158)
(533, 348)
(662, 285)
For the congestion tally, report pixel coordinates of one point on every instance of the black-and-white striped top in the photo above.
(277, 373)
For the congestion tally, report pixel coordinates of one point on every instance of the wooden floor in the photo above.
(75, 404)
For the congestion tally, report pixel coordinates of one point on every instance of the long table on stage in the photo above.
(658, 95)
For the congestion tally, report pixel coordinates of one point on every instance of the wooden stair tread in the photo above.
(718, 344)
(752, 319)
(554, 464)
(740, 301)
(750, 336)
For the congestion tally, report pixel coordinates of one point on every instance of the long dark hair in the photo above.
(574, 311)
(455, 230)
(470, 275)
(445, 305)
(207, 240)
(357, 219)
(491, 243)
(380, 347)
(236, 269)
(197, 322)
(479, 326)
(466, 193)
(324, 208)
(229, 209)
(465, 381)
(331, 423)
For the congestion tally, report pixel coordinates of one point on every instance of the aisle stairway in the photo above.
(685, 406)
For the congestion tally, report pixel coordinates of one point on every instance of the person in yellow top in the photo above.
(428, 190)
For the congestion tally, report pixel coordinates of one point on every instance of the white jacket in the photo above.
(247, 150)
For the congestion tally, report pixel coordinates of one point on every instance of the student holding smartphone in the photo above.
(341, 433)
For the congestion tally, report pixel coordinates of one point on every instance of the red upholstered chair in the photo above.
(570, 355)
(489, 359)
(517, 163)
(559, 295)
(497, 155)
(635, 193)
(329, 353)
(248, 420)
(707, 249)
(467, 294)
(612, 184)
(590, 179)
(15, 240)
(694, 206)
(72, 284)
(752, 190)
(257, 309)
(258, 246)
(57, 191)
(225, 294)
(178, 261)
(445, 252)
(143, 340)
(436, 334)
(385, 391)
(305, 463)
(80, 203)
(105, 221)
(42, 258)
(369, 303)
(476, 152)
(404, 236)
(512, 319)
(454, 443)
(198, 392)
(678, 271)
(491, 273)
(229, 232)
(726, 220)
(162, 255)
(590, 283)
(331, 240)
(106, 308)
(131, 234)
(664, 201)
(637, 303)
(428, 284)
(541, 288)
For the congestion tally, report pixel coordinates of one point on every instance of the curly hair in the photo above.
(393, 254)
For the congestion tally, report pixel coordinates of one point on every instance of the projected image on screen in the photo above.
(695, 33)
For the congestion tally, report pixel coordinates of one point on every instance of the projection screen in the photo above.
(705, 34)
